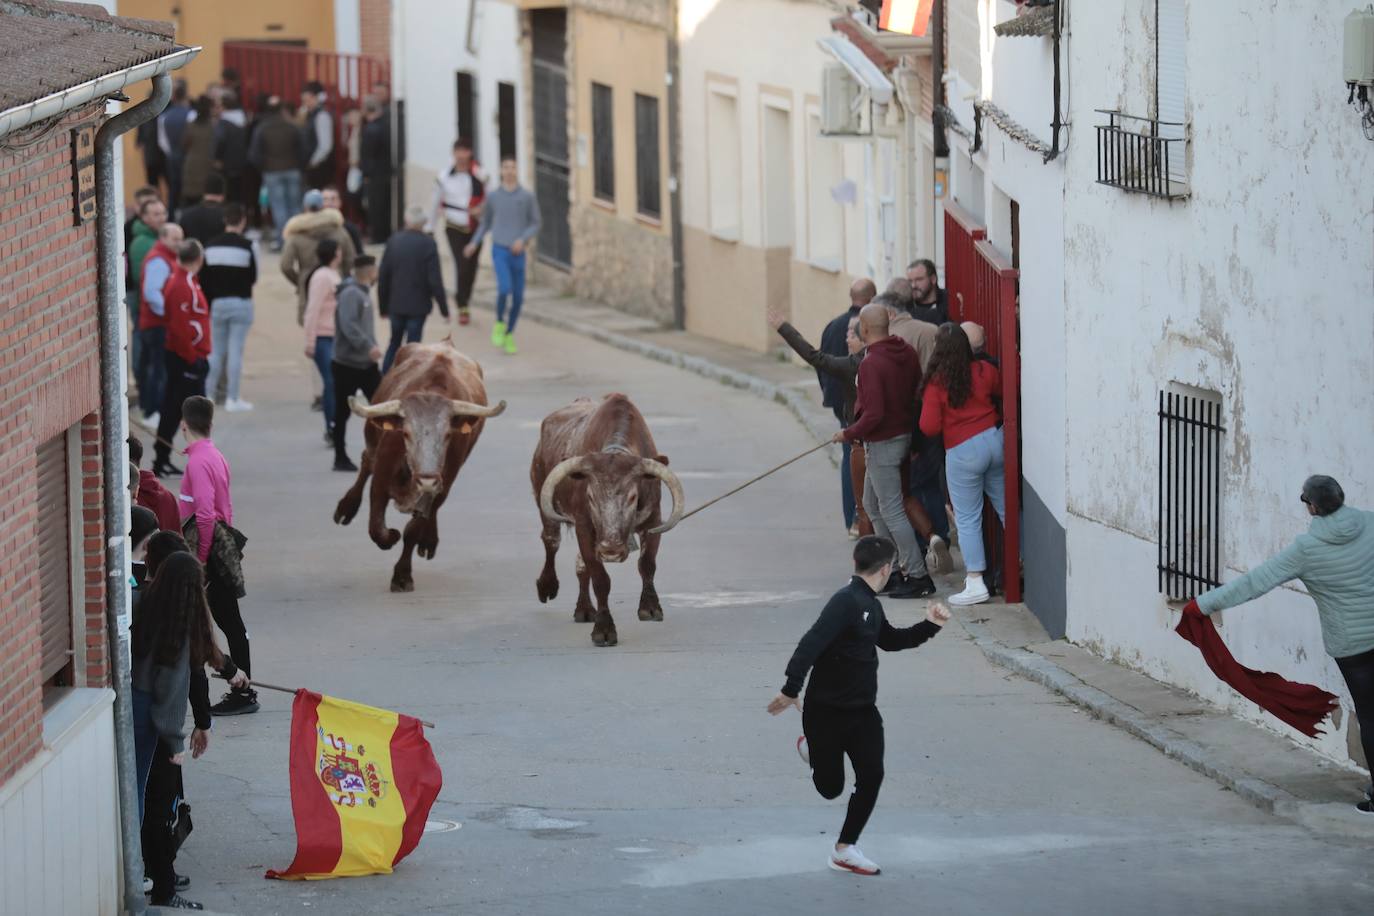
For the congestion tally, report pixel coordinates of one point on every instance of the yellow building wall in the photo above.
(210, 23)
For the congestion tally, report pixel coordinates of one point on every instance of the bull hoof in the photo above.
(427, 550)
(346, 510)
(604, 637)
(388, 540)
(402, 583)
(583, 614)
(653, 612)
(547, 588)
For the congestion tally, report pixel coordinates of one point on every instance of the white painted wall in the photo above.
(430, 47)
(347, 27)
(59, 831)
(785, 68)
(1259, 286)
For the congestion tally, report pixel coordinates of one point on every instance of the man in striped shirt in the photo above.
(458, 196)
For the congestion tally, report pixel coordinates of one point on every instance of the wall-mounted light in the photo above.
(1358, 66)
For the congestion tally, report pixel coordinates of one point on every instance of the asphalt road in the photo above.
(647, 777)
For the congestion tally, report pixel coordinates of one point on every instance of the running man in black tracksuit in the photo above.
(840, 716)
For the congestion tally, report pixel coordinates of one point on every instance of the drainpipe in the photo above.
(675, 170)
(1058, 122)
(113, 433)
(937, 69)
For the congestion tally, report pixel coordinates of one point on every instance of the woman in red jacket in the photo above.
(958, 404)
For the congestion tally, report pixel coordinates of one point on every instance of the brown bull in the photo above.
(596, 468)
(430, 409)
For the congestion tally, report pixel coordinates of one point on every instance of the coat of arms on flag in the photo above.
(362, 783)
(909, 17)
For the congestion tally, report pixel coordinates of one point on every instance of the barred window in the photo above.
(1190, 457)
(603, 143)
(648, 197)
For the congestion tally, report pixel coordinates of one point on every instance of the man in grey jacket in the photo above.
(408, 282)
(510, 214)
(355, 351)
(1335, 560)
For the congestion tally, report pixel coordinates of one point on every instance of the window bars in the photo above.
(1146, 157)
(1190, 455)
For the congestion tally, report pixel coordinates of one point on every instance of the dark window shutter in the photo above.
(648, 197)
(54, 556)
(467, 107)
(505, 115)
(603, 142)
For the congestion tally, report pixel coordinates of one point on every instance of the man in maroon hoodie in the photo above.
(188, 348)
(884, 416)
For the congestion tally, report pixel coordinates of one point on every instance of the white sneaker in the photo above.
(938, 559)
(152, 419)
(854, 531)
(803, 751)
(235, 405)
(975, 592)
(854, 862)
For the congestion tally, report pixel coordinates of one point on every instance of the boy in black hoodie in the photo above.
(841, 716)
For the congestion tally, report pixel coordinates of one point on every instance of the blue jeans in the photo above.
(404, 329)
(324, 355)
(145, 742)
(510, 284)
(230, 319)
(846, 487)
(151, 370)
(283, 196)
(974, 469)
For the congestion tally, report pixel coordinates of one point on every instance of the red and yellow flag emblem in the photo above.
(362, 782)
(909, 17)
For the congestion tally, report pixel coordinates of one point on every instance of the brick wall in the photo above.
(49, 382)
(374, 27)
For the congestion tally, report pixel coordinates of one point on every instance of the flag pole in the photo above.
(293, 691)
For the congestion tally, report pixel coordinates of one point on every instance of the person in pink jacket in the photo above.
(205, 496)
(320, 305)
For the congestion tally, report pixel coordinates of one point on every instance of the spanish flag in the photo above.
(362, 782)
(909, 17)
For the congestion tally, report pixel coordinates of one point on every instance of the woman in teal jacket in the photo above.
(1335, 560)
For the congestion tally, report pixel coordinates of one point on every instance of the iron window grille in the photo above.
(603, 143)
(648, 194)
(1190, 454)
(1138, 155)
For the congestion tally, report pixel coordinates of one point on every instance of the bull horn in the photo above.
(370, 411)
(560, 471)
(674, 487)
(469, 409)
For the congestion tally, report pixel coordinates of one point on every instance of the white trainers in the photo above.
(236, 405)
(803, 751)
(975, 592)
(938, 559)
(854, 862)
(152, 419)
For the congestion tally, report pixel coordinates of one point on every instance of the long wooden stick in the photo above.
(293, 691)
(152, 432)
(755, 480)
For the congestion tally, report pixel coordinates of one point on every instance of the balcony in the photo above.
(1142, 155)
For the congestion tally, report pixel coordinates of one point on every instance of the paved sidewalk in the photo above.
(1263, 767)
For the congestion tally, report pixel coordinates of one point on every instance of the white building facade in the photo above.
(456, 65)
(1195, 292)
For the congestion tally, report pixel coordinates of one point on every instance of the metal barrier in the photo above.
(981, 285)
(282, 70)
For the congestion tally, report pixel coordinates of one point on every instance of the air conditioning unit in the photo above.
(844, 103)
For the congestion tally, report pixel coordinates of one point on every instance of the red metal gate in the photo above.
(982, 288)
(281, 70)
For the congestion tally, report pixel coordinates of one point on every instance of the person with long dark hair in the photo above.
(958, 404)
(172, 635)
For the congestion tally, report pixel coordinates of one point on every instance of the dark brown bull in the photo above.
(597, 468)
(430, 409)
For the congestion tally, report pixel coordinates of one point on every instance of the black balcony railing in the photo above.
(1141, 155)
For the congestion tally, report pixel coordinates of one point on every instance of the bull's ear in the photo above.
(577, 475)
(662, 459)
(388, 424)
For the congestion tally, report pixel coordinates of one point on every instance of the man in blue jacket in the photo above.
(408, 282)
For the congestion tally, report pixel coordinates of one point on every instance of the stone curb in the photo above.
(797, 404)
(1342, 819)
